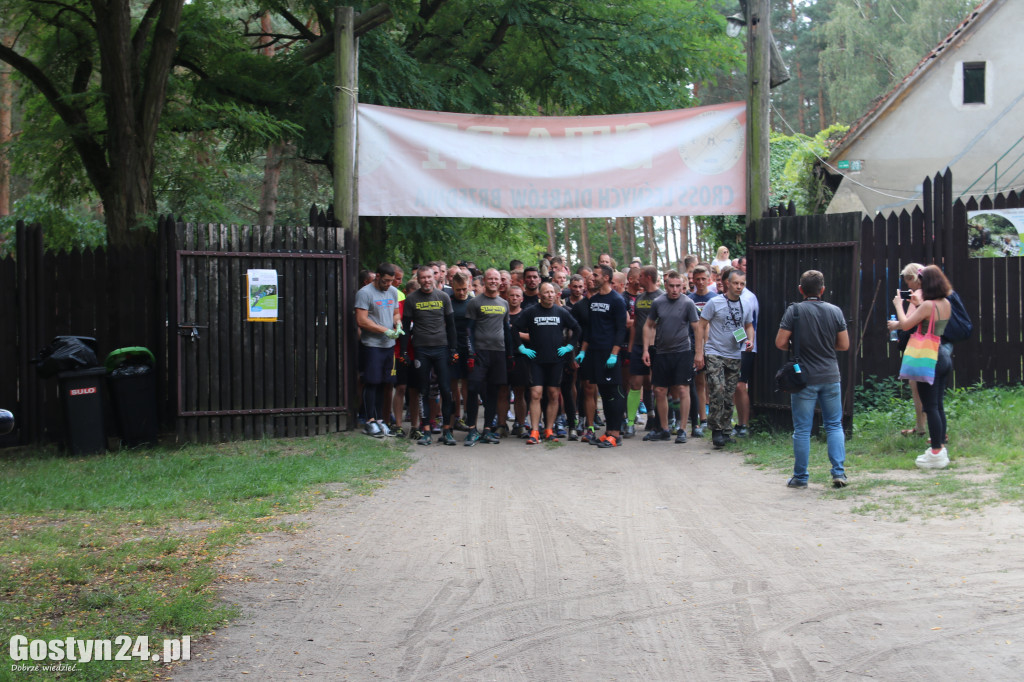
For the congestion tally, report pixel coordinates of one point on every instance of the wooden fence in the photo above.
(109, 294)
(989, 287)
(783, 245)
(238, 379)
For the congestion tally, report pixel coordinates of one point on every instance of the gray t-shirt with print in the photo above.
(380, 306)
(724, 318)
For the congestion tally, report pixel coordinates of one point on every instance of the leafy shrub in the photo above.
(879, 395)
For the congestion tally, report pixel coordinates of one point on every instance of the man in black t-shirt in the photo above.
(604, 337)
(429, 321)
(542, 329)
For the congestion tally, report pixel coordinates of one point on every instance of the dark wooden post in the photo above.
(346, 205)
(758, 84)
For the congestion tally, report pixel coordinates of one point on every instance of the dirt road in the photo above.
(644, 562)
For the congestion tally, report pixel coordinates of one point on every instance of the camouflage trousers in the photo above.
(721, 375)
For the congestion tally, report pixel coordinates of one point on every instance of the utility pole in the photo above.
(758, 15)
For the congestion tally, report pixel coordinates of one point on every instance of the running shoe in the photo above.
(533, 438)
(471, 438)
(608, 442)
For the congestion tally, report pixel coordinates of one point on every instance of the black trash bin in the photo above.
(81, 394)
(132, 378)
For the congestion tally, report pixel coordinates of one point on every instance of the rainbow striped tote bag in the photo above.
(921, 354)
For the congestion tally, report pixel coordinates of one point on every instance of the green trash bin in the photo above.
(131, 376)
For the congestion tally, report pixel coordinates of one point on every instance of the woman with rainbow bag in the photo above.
(927, 360)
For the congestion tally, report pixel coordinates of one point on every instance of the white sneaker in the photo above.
(931, 460)
(384, 430)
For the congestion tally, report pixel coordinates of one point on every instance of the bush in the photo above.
(879, 395)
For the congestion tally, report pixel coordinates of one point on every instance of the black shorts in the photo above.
(378, 364)
(519, 372)
(595, 369)
(672, 369)
(546, 373)
(401, 373)
(747, 366)
(489, 368)
(460, 370)
(637, 368)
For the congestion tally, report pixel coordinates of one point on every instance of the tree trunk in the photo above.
(585, 242)
(668, 242)
(565, 236)
(274, 157)
(652, 246)
(609, 228)
(550, 224)
(625, 240)
(134, 84)
(800, 124)
(684, 238)
(6, 100)
(271, 180)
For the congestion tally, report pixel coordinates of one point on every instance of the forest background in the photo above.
(113, 112)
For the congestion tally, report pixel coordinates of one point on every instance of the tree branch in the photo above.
(91, 152)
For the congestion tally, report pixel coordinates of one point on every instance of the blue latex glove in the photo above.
(527, 351)
(567, 348)
(612, 359)
(582, 354)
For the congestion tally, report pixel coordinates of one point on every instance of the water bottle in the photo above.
(893, 336)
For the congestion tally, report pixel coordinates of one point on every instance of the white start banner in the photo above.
(424, 163)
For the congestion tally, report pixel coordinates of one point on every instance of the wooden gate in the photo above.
(238, 379)
(779, 251)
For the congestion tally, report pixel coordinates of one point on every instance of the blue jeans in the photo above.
(830, 398)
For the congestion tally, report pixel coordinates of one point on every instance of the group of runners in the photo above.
(548, 343)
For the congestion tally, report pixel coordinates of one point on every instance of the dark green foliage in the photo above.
(879, 395)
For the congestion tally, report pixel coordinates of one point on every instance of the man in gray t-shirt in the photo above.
(667, 328)
(817, 330)
(378, 321)
(726, 329)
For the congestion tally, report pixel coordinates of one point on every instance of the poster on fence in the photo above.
(997, 233)
(261, 296)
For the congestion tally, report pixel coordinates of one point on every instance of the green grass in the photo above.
(127, 543)
(986, 432)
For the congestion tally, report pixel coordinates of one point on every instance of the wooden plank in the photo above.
(321, 332)
(235, 321)
(332, 320)
(1014, 315)
(248, 360)
(293, 295)
(222, 335)
(284, 311)
(309, 333)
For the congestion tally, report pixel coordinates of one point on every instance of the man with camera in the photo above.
(821, 331)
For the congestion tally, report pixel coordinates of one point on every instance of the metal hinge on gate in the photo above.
(191, 330)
